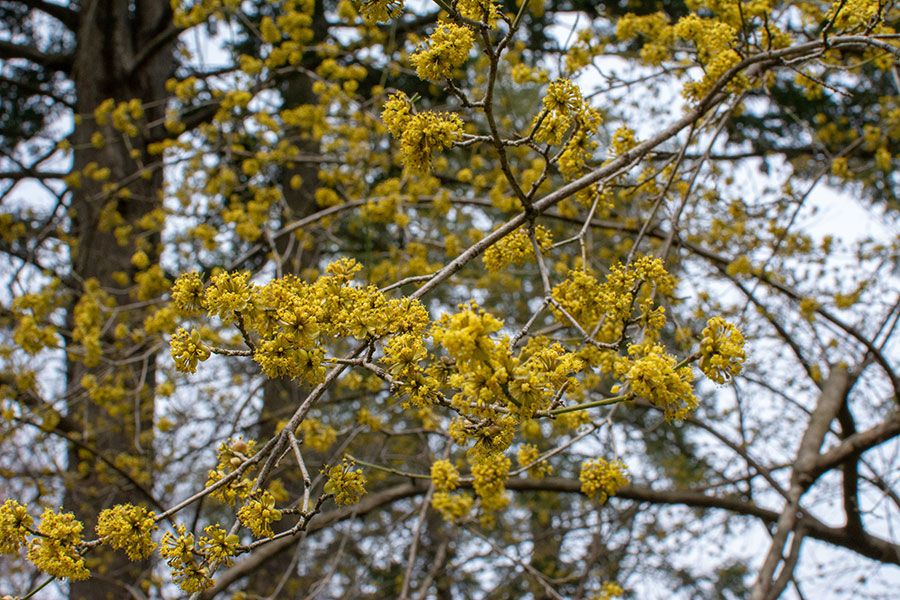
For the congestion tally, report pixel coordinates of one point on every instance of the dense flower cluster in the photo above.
(654, 374)
(15, 523)
(218, 545)
(347, 484)
(452, 507)
(447, 48)
(227, 294)
(444, 476)
(528, 456)
(317, 435)
(610, 305)
(721, 350)
(188, 294)
(128, 528)
(89, 316)
(57, 550)
(484, 11)
(516, 248)
(185, 562)
(377, 11)
(490, 473)
(427, 133)
(232, 455)
(288, 318)
(601, 479)
(259, 513)
(608, 591)
(187, 350)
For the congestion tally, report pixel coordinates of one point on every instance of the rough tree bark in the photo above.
(111, 61)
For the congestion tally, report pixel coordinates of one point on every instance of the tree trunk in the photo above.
(110, 37)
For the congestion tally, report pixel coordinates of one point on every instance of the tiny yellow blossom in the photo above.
(447, 48)
(654, 377)
(444, 476)
(377, 11)
(601, 479)
(128, 528)
(721, 350)
(14, 525)
(57, 551)
(346, 484)
(228, 293)
(188, 294)
(452, 507)
(516, 248)
(187, 350)
(317, 435)
(259, 514)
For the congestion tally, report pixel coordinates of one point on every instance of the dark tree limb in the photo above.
(57, 62)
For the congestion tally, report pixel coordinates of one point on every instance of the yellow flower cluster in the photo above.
(608, 591)
(565, 110)
(281, 357)
(377, 11)
(490, 473)
(713, 39)
(853, 13)
(528, 456)
(317, 435)
(543, 369)
(187, 349)
(188, 294)
(128, 528)
(721, 350)
(231, 455)
(516, 248)
(259, 513)
(655, 376)
(444, 50)
(452, 507)
(32, 337)
(198, 12)
(227, 294)
(493, 384)
(218, 545)
(601, 479)
(122, 116)
(88, 315)
(396, 113)
(289, 318)
(465, 334)
(420, 134)
(444, 476)
(563, 96)
(483, 11)
(402, 355)
(654, 28)
(15, 523)
(613, 301)
(347, 484)
(178, 550)
(56, 550)
(623, 140)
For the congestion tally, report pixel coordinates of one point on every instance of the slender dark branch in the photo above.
(58, 62)
(857, 444)
(29, 174)
(866, 545)
(164, 37)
